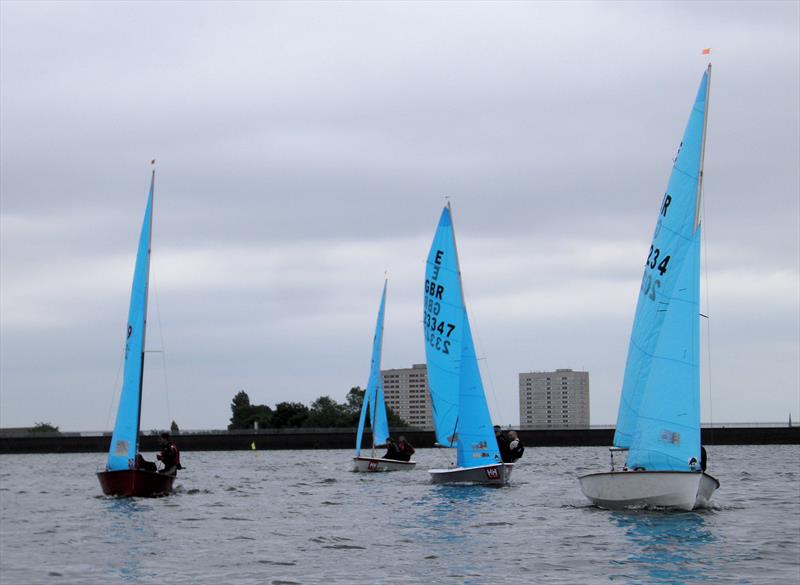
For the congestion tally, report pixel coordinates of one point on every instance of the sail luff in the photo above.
(124, 439)
(702, 150)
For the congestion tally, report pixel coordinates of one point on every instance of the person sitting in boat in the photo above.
(515, 446)
(404, 449)
(703, 458)
(391, 449)
(144, 464)
(169, 456)
(502, 444)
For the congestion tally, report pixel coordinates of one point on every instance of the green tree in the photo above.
(262, 414)
(326, 412)
(174, 429)
(244, 415)
(44, 427)
(240, 409)
(289, 414)
(355, 398)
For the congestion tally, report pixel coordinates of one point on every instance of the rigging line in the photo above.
(163, 355)
(116, 385)
(708, 321)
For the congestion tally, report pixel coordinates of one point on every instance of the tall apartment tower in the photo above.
(554, 400)
(406, 393)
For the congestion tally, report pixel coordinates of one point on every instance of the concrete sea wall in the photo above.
(26, 442)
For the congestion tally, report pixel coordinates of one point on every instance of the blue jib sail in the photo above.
(373, 395)
(477, 444)
(659, 411)
(122, 452)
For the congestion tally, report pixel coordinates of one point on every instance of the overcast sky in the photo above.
(305, 148)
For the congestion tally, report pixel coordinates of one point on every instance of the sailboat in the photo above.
(122, 476)
(460, 413)
(658, 422)
(376, 407)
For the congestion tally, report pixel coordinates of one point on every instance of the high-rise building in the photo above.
(553, 400)
(406, 393)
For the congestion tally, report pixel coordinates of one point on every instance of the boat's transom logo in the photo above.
(492, 473)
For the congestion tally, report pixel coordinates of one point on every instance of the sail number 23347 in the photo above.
(437, 330)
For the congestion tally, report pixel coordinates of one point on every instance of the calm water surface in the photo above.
(284, 517)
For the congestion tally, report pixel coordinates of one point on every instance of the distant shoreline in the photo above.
(289, 439)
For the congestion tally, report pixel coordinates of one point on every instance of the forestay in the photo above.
(659, 412)
(122, 452)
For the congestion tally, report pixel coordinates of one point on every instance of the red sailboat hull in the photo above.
(135, 482)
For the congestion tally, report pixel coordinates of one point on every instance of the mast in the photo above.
(458, 262)
(146, 294)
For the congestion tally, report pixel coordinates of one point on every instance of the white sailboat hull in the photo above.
(494, 474)
(682, 490)
(375, 464)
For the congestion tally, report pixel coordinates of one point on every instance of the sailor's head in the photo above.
(402, 438)
(512, 434)
(165, 437)
(497, 429)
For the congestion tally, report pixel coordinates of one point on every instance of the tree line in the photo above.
(324, 412)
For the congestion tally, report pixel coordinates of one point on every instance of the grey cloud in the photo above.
(281, 129)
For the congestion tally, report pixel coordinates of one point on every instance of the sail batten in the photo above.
(124, 439)
(659, 412)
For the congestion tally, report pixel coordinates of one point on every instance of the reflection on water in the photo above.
(131, 537)
(446, 520)
(667, 547)
(443, 510)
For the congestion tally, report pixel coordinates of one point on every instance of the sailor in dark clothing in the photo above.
(502, 444)
(703, 458)
(392, 452)
(515, 446)
(404, 449)
(144, 464)
(169, 456)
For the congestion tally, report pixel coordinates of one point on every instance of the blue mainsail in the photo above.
(659, 411)
(373, 396)
(124, 441)
(443, 313)
(461, 416)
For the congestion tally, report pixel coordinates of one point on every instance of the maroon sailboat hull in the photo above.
(135, 482)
